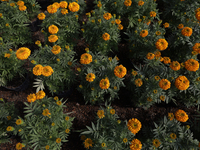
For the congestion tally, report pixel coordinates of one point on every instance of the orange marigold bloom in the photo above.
(170, 116)
(74, 7)
(46, 112)
(112, 111)
(162, 98)
(100, 114)
(166, 60)
(106, 36)
(52, 9)
(19, 146)
(158, 33)
(181, 115)
(120, 71)
(63, 4)
(64, 11)
(31, 98)
(157, 54)
(20, 3)
(40, 94)
(86, 58)
(120, 27)
(47, 71)
(152, 14)
(19, 121)
(175, 65)
(90, 77)
(136, 144)
(187, 31)
(156, 143)
(107, 16)
(149, 99)
(134, 72)
(157, 78)
(127, 3)
(140, 3)
(138, 82)
(164, 84)
(58, 140)
(47, 147)
(197, 15)
(37, 70)
(7, 55)
(180, 26)
(192, 65)
(56, 49)
(150, 56)
(166, 25)
(117, 21)
(144, 33)
(23, 53)
(52, 38)
(56, 4)
(134, 125)
(173, 136)
(161, 44)
(104, 83)
(182, 83)
(53, 29)
(87, 143)
(22, 8)
(196, 47)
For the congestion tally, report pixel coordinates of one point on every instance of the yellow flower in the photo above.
(196, 47)
(175, 65)
(90, 77)
(47, 71)
(18, 121)
(56, 98)
(112, 111)
(106, 36)
(120, 27)
(166, 60)
(88, 143)
(23, 53)
(53, 124)
(86, 58)
(47, 147)
(156, 143)
(187, 31)
(150, 56)
(58, 140)
(100, 114)
(56, 49)
(38, 42)
(140, 3)
(67, 131)
(170, 116)
(157, 78)
(12, 4)
(127, 3)
(52, 9)
(138, 82)
(155, 91)
(164, 84)
(197, 15)
(67, 118)
(22, 8)
(182, 83)
(7, 55)
(144, 33)
(136, 144)
(192, 65)
(53, 29)
(80, 86)
(31, 98)
(63, 4)
(149, 99)
(158, 33)
(125, 140)
(166, 25)
(117, 21)
(8, 117)
(134, 125)
(104, 83)
(180, 26)
(40, 94)
(152, 14)
(181, 115)
(161, 44)
(107, 16)
(20, 3)
(52, 38)
(46, 112)
(74, 7)
(9, 128)
(18, 146)
(162, 98)
(120, 71)
(134, 72)
(64, 11)
(173, 136)
(58, 103)
(37, 70)
(103, 144)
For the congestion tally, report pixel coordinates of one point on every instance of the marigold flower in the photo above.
(140, 3)
(18, 146)
(107, 16)
(156, 143)
(166, 25)
(181, 115)
(46, 112)
(196, 47)
(53, 29)
(47, 147)
(144, 33)
(149, 99)
(47, 71)
(9, 128)
(125, 140)
(90, 77)
(104, 83)
(155, 91)
(88, 143)
(103, 144)
(58, 140)
(162, 98)
(1, 14)
(150, 56)
(67, 131)
(197, 15)
(22, 8)
(182, 83)
(56, 4)
(7, 55)
(161, 44)
(20, 3)
(134, 125)
(38, 42)
(158, 33)
(63, 4)
(152, 14)
(175, 65)
(106, 36)
(52, 9)
(64, 11)
(136, 144)
(12, 4)
(74, 7)
(86, 58)
(83, 137)
(138, 82)
(127, 3)
(100, 114)
(187, 31)
(180, 26)
(157, 78)
(117, 21)
(112, 111)
(40, 94)
(170, 116)
(8, 117)
(120, 27)
(37, 70)
(173, 136)
(52, 38)
(23, 53)
(18, 121)
(56, 49)
(192, 65)
(31, 98)
(166, 60)
(120, 71)
(164, 84)
(134, 72)
(67, 118)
